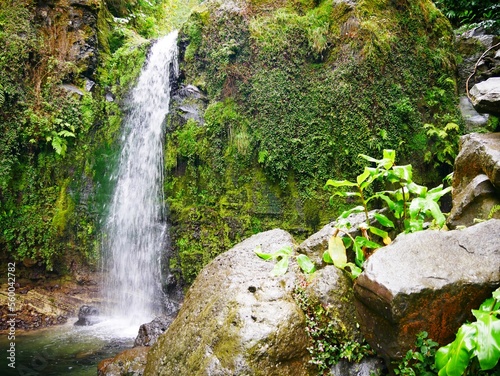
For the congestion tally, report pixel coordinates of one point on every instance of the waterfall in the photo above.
(135, 230)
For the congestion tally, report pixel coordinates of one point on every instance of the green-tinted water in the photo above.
(64, 350)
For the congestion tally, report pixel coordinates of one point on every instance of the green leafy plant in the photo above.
(283, 256)
(409, 204)
(419, 362)
(476, 346)
(444, 147)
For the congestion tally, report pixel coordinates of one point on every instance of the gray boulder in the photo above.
(476, 178)
(485, 96)
(151, 331)
(426, 281)
(236, 319)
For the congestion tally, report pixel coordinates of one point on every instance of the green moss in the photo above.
(297, 90)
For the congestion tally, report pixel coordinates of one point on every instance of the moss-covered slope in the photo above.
(294, 91)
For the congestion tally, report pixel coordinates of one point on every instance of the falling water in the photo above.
(135, 230)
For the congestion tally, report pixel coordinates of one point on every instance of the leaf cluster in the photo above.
(408, 203)
(283, 256)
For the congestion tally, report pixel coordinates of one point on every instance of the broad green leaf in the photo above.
(383, 220)
(453, 359)
(285, 252)
(306, 264)
(355, 270)
(347, 241)
(370, 159)
(414, 225)
(264, 256)
(346, 194)
(358, 253)
(404, 173)
(327, 258)
(490, 305)
(417, 206)
(488, 339)
(364, 242)
(496, 294)
(281, 267)
(383, 234)
(378, 232)
(337, 251)
(365, 175)
(433, 208)
(416, 189)
(436, 193)
(339, 183)
(356, 209)
(390, 155)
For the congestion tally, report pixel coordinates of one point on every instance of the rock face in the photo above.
(476, 179)
(426, 281)
(486, 96)
(52, 303)
(237, 319)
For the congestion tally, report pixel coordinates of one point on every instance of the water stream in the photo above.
(136, 228)
(134, 239)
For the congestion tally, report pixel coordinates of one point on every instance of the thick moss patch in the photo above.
(295, 91)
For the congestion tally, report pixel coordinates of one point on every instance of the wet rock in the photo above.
(87, 315)
(477, 164)
(49, 302)
(332, 288)
(426, 281)
(188, 103)
(149, 333)
(485, 96)
(366, 367)
(474, 202)
(130, 362)
(236, 319)
(473, 119)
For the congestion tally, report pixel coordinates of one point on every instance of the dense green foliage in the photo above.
(296, 90)
(467, 13)
(57, 139)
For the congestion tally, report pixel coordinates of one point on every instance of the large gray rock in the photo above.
(236, 319)
(474, 202)
(151, 331)
(485, 96)
(476, 178)
(426, 281)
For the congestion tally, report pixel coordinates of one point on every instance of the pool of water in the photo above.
(67, 349)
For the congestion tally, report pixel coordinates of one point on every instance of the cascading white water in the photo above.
(135, 230)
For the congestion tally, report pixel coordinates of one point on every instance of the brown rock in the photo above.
(426, 281)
